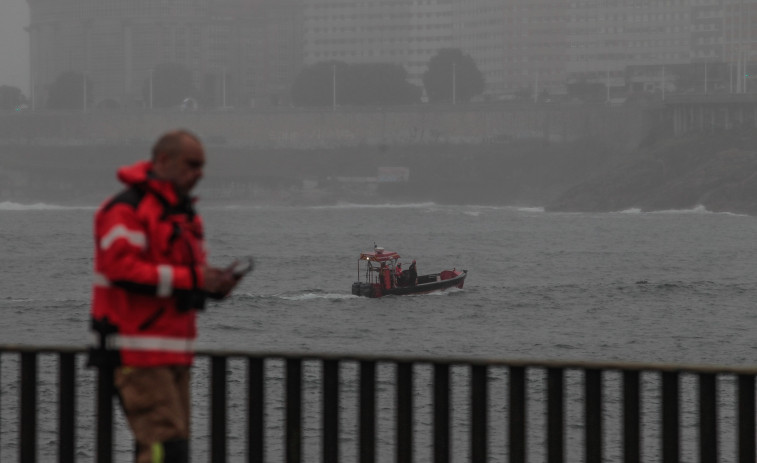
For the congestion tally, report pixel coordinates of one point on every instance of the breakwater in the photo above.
(620, 127)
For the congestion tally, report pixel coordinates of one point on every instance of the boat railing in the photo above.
(282, 406)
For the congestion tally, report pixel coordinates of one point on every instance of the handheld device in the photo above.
(245, 266)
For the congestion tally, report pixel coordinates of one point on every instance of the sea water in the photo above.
(672, 286)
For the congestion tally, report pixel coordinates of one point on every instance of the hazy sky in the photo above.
(14, 44)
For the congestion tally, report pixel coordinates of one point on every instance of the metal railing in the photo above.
(634, 390)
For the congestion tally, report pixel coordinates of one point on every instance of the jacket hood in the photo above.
(140, 173)
(135, 173)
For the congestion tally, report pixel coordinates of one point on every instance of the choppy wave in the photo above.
(13, 206)
(314, 295)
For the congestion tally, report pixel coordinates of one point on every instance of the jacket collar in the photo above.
(141, 175)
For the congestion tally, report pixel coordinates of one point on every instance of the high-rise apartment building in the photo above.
(519, 45)
(244, 52)
(238, 51)
(515, 43)
(606, 36)
(406, 32)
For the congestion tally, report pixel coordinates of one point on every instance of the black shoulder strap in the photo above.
(131, 196)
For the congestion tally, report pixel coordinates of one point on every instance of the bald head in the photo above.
(171, 142)
(178, 157)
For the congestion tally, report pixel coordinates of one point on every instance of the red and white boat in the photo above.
(378, 275)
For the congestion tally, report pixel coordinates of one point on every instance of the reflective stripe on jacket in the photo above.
(149, 254)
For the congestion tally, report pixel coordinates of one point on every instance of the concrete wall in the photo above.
(621, 127)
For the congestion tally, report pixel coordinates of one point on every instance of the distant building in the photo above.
(241, 51)
(248, 52)
(606, 37)
(519, 45)
(404, 32)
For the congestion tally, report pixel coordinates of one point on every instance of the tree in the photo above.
(452, 76)
(67, 92)
(171, 84)
(10, 97)
(324, 83)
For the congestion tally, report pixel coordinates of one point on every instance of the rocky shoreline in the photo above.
(717, 171)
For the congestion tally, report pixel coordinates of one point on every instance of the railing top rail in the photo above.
(450, 360)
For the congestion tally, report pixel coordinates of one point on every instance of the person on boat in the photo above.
(386, 276)
(412, 274)
(151, 279)
(398, 274)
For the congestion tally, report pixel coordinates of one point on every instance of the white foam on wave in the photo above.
(13, 206)
(529, 209)
(376, 206)
(700, 209)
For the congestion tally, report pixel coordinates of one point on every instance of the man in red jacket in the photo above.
(151, 277)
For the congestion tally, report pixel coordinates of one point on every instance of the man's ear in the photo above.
(160, 160)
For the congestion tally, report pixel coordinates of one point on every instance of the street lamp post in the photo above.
(151, 71)
(223, 88)
(333, 87)
(84, 87)
(454, 83)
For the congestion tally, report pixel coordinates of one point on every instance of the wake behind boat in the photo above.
(382, 275)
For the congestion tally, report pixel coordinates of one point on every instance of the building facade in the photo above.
(248, 52)
(519, 45)
(240, 52)
(405, 32)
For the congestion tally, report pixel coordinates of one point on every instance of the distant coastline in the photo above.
(715, 171)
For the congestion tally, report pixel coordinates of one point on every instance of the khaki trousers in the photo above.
(156, 404)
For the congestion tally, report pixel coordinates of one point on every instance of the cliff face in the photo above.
(717, 171)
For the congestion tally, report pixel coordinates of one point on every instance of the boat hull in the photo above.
(426, 284)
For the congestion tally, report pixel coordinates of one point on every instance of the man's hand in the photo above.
(220, 281)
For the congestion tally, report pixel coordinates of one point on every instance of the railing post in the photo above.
(631, 417)
(517, 401)
(28, 412)
(404, 443)
(441, 413)
(555, 416)
(66, 407)
(670, 417)
(746, 424)
(593, 415)
(218, 409)
(708, 416)
(330, 417)
(367, 411)
(293, 410)
(256, 410)
(479, 404)
(105, 392)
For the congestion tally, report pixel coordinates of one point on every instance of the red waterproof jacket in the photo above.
(149, 254)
